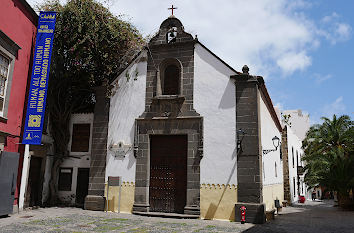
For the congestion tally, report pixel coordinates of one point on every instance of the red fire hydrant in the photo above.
(243, 214)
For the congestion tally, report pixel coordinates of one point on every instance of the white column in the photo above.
(24, 177)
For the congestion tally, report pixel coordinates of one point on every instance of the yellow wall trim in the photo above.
(127, 197)
(217, 201)
(272, 192)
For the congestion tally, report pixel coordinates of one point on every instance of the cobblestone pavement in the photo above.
(310, 217)
(78, 220)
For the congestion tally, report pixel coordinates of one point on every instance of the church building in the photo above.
(187, 135)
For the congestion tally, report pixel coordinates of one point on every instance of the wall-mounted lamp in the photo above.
(240, 134)
(276, 142)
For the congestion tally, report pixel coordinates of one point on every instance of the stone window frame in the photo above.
(81, 118)
(8, 49)
(161, 72)
(61, 188)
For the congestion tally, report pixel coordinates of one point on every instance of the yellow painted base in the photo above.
(218, 201)
(127, 197)
(271, 193)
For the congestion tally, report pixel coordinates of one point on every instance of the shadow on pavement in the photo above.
(311, 217)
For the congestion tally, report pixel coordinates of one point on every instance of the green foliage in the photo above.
(286, 119)
(90, 47)
(329, 155)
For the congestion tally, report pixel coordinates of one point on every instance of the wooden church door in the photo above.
(168, 173)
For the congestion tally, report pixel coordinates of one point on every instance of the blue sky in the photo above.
(303, 49)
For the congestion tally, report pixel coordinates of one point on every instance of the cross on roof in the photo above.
(171, 8)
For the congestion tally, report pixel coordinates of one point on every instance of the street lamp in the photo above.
(276, 142)
(240, 134)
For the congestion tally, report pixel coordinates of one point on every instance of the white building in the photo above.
(299, 122)
(172, 125)
(294, 176)
(74, 171)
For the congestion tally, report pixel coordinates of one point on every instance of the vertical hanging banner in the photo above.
(39, 79)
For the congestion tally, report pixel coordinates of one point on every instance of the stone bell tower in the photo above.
(169, 133)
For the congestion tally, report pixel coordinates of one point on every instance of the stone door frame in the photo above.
(190, 126)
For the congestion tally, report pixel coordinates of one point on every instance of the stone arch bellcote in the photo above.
(169, 114)
(164, 75)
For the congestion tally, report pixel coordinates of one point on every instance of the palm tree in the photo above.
(329, 155)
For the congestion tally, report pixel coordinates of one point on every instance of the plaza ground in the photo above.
(310, 217)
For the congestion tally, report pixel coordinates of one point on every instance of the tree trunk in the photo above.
(53, 183)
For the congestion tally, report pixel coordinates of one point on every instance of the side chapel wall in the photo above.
(126, 104)
(214, 99)
(272, 172)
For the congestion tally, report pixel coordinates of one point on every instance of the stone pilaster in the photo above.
(284, 149)
(95, 198)
(249, 179)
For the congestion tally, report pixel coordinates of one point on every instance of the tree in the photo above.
(329, 155)
(90, 47)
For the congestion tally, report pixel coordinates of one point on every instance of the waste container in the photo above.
(302, 199)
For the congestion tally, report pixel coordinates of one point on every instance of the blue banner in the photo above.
(39, 79)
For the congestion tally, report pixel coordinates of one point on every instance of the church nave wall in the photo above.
(214, 99)
(126, 104)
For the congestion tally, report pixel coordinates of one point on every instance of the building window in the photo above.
(292, 152)
(169, 77)
(4, 71)
(8, 54)
(171, 80)
(65, 179)
(80, 140)
(276, 172)
(294, 185)
(297, 158)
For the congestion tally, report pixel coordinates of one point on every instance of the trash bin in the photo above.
(302, 199)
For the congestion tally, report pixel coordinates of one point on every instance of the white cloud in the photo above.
(337, 107)
(291, 62)
(333, 29)
(267, 35)
(319, 78)
(329, 18)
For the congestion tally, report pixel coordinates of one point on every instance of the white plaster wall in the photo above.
(293, 142)
(82, 160)
(300, 122)
(214, 99)
(74, 163)
(126, 104)
(268, 131)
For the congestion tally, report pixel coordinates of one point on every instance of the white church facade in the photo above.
(187, 134)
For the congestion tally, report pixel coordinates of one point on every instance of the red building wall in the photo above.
(18, 21)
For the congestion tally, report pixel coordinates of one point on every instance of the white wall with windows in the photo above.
(79, 148)
(295, 154)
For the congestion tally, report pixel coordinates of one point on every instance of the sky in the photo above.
(304, 49)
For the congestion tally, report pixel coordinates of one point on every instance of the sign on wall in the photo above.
(39, 79)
